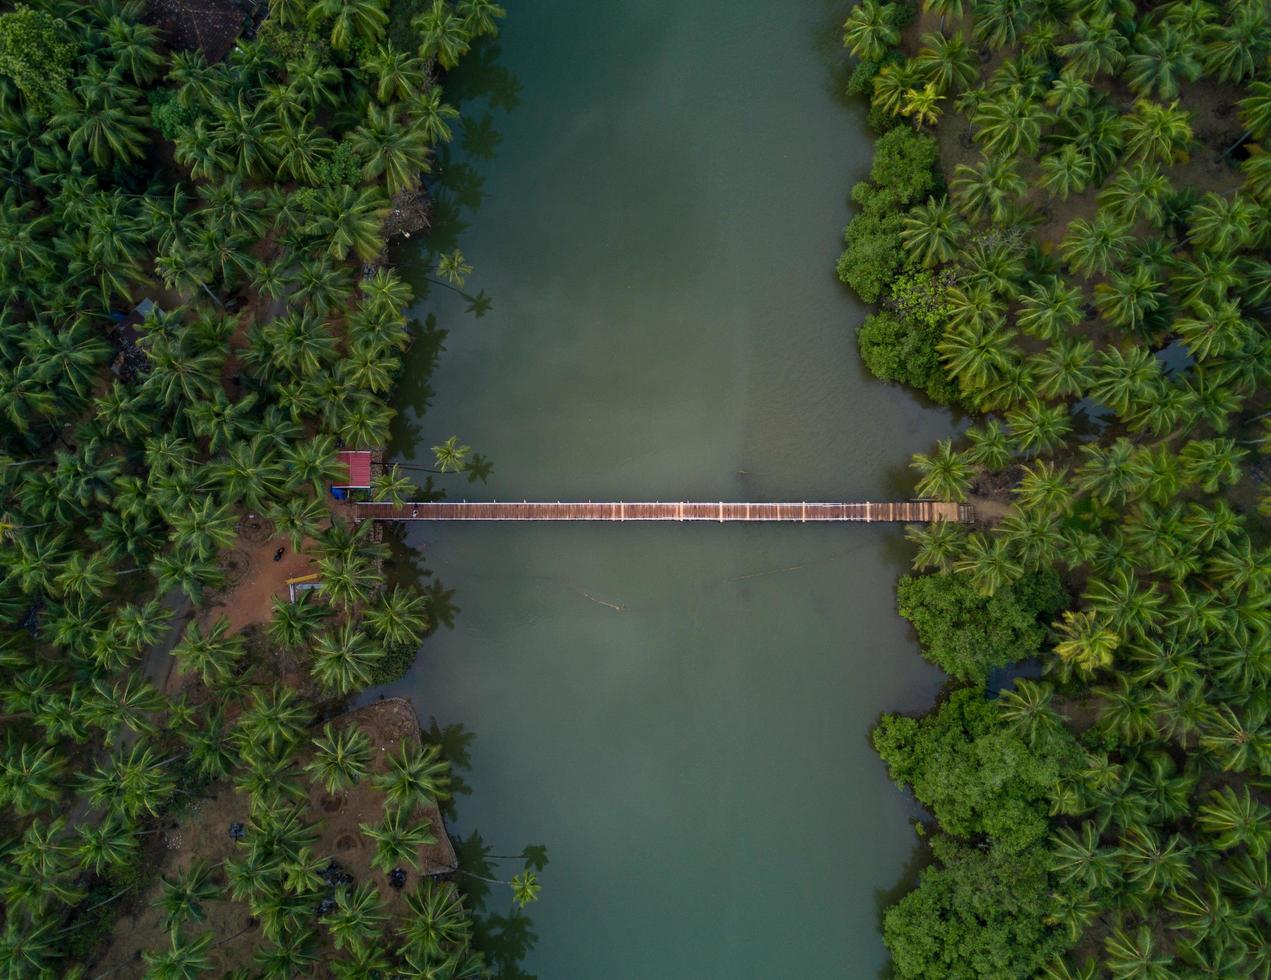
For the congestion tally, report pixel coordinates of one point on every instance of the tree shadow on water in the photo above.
(480, 74)
(503, 932)
(827, 42)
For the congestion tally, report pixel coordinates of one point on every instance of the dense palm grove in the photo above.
(245, 197)
(1056, 250)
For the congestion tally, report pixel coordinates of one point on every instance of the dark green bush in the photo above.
(966, 634)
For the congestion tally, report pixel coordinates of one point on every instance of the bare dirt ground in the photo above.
(202, 831)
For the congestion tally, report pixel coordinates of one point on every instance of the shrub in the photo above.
(965, 633)
(975, 773)
(34, 54)
(904, 351)
(975, 913)
(902, 173)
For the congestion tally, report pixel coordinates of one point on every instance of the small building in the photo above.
(357, 465)
(301, 584)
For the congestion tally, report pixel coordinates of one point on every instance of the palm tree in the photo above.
(399, 75)
(1127, 608)
(992, 187)
(1223, 224)
(1010, 123)
(103, 118)
(944, 475)
(1235, 49)
(922, 105)
(938, 544)
(360, 22)
(348, 580)
(181, 898)
(1139, 189)
(351, 221)
(1164, 58)
(975, 355)
(1067, 171)
(293, 624)
(182, 960)
(417, 776)
(892, 85)
(1209, 463)
(1035, 537)
(999, 23)
(343, 659)
(1098, 48)
(437, 921)
(1135, 957)
(131, 782)
(948, 63)
(397, 841)
(1159, 133)
(356, 920)
(454, 268)
(443, 33)
(1027, 709)
(30, 776)
(870, 30)
(1214, 330)
(1077, 858)
(988, 562)
(1092, 248)
(127, 703)
(187, 572)
(275, 719)
(398, 617)
(291, 954)
(480, 17)
(989, 445)
(1235, 819)
(1039, 428)
(1236, 743)
(1129, 299)
(1062, 370)
(108, 845)
(341, 758)
(451, 455)
(931, 232)
(204, 528)
(210, 654)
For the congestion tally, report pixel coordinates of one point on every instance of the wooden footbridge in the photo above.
(910, 512)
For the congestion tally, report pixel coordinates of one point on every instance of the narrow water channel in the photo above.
(679, 712)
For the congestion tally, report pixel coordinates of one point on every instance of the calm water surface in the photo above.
(680, 712)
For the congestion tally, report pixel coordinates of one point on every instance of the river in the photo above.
(679, 712)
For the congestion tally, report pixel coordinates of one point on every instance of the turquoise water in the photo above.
(680, 712)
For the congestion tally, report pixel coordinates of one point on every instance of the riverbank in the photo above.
(1062, 223)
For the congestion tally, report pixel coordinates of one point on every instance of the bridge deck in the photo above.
(920, 511)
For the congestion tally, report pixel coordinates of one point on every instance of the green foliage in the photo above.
(903, 350)
(167, 115)
(977, 776)
(35, 52)
(976, 913)
(966, 633)
(342, 168)
(1158, 847)
(903, 173)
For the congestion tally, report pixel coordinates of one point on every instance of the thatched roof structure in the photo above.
(210, 26)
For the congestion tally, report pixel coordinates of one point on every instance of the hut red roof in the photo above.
(358, 463)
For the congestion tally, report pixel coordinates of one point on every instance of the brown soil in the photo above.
(201, 831)
(408, 214)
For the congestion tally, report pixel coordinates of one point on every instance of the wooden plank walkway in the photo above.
(911, 512)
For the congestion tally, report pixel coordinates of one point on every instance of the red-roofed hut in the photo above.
(358, 464)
